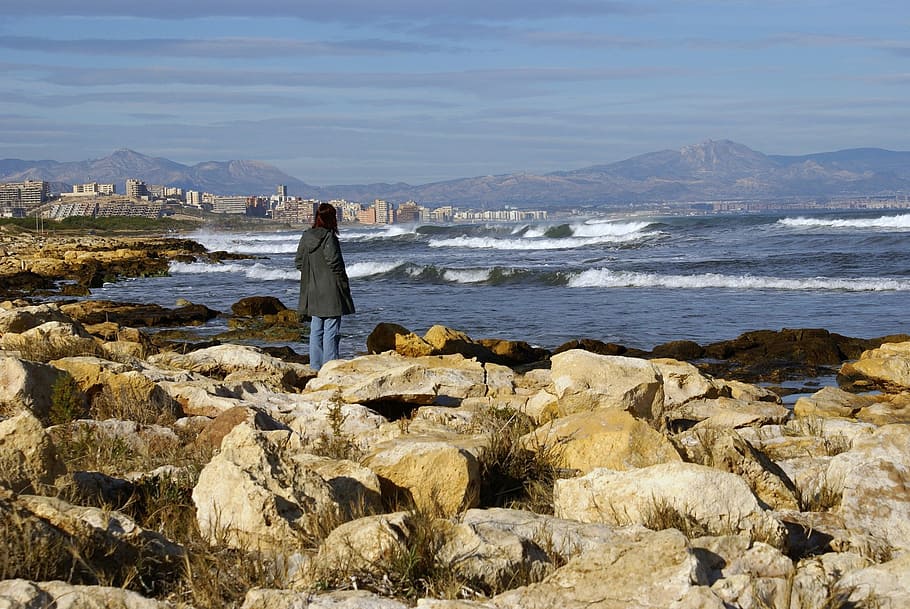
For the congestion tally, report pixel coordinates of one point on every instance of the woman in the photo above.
(325, 293)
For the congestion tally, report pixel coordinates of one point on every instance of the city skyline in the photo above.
(355, 92)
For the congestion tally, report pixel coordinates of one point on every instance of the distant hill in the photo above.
(707, 171)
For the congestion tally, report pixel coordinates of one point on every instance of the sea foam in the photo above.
(606, 278)
(900, 222)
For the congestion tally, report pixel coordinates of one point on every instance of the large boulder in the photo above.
(28, 458)
(656, 571)
(20, 319)
(385, 336)
(831, 402)
(137, 315)
(51, 340)
(874, 476)
(704, 499)
(726, 450)
(28, 385)
(24, 594)
(604, 438)
(726, 412)
(390, 377)
(886, 367)
(434, 476)
(584, 381)
(255, 494)
(884, 585)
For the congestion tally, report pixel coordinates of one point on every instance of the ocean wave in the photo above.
(395, 230)
(606, 278)
(256, 271)
(534, 243)
(900, 222)
(467, 275)
(359, 270)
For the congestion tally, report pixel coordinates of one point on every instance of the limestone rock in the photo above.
(831, 402)
(385, 336)
(759, 577)
(24, 594)
(492, 557)
(221, 425)
(257, 306)
(683, 382)
(365, 547)
(708, 499)
(585, 381)
(28, 458)
(27, 385)
(884, 585)
(238, 362)
(726, 450)
(816, 576)
(437, 476)
(654, 572)
(20, 319)
(51, 340)
(258, 598)
(888, 367)
(445, 380)
(727, 412)
(603, 438)
(875, 477)
(255, 493)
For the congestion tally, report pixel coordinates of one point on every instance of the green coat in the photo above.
(324, 287)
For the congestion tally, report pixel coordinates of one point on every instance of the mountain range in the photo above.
(711, 170)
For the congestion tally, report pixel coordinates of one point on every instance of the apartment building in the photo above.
(17, 198)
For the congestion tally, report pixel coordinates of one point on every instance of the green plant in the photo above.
(67, 401)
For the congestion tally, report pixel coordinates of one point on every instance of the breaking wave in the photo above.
(256, 271)
(606, 278)
(901, 222)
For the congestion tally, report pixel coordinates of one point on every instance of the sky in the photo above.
(419, 91)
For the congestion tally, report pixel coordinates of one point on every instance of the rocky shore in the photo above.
(440, 470)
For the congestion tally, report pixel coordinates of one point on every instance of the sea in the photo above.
(637, 280)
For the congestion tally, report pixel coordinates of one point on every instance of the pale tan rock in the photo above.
(727, 412)
(437, 476)
(762, 574)
(239, 362)
(654, 572)
(816, 576)
(492, 556)
(887, 409)
(412, 345)
(255, 495)
(19, 319)
(27, 385)
(28, 458)
(560, 538)
(726, 450)
(683, 382)
(806, 436)
(745, 392)
(445, 379)
(364, 547)
(23, 594)
(716, 501)
(584, 381)
(355, 487)
(887, 366)
(875, 477)
(258, 598)
(831, 402)
(51, 339)
(126, 387)
(884, 585)
(201, 397)
(603, 438)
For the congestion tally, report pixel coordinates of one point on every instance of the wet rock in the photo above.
(136, 314)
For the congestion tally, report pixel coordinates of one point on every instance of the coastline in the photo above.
(488, 462)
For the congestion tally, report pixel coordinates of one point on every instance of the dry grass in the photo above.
(511, 475)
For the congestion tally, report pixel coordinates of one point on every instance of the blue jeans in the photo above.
(325, 335)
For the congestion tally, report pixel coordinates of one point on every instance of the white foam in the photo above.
(901, 222)
(466, 275)
(606, 278)
(368, 269)
(257, 271)
(606, 228)
(532, 243)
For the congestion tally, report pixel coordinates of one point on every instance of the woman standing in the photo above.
(325, 293)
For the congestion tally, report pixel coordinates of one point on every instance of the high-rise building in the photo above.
(136, 189)
(281, 190)
(17, 198)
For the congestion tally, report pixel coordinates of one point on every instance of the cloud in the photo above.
(340, 11)
(246, 48)
(505, 82)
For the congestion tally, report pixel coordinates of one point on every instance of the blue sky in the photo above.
(358, 91)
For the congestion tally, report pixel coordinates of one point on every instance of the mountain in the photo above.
(710, 170)
(228, 177)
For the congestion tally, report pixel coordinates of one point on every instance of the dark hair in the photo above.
(326, 217)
